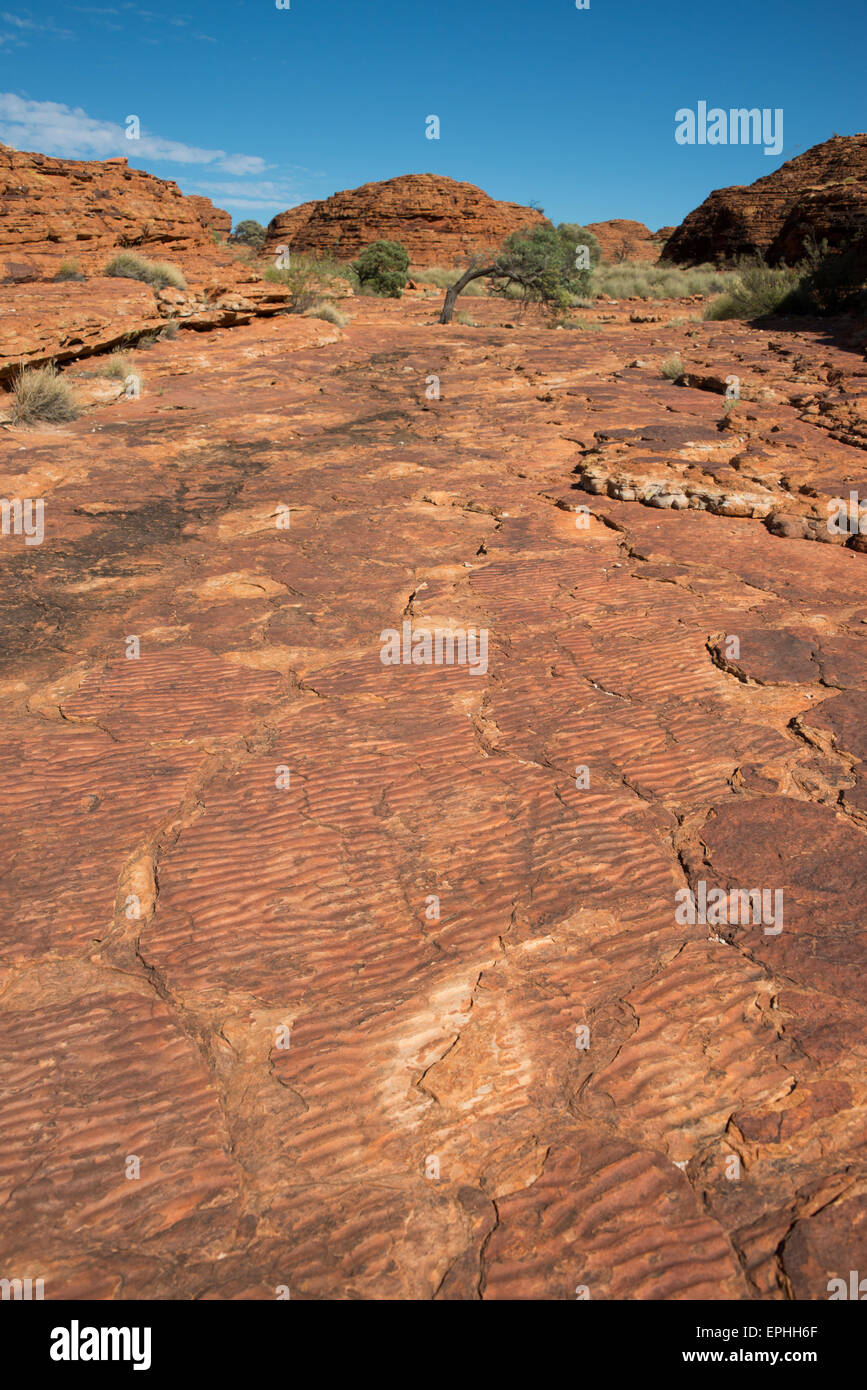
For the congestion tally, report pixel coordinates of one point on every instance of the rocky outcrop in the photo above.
(82, 211)
(821, 194)
(624, 240)
(437, 219)
(51, 209)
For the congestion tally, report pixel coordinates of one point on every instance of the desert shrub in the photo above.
(542, 263)
(248, 233)
(157, 274)
(672, 368)
(329, 312)
(41, 394)
(300, 280)
(834, 280)
(382, 268)
(757, 289)
(169, 330)
(70, 270)
(461, 317)
(307, 277)
(577, 236)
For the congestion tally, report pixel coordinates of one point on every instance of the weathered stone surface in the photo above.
(439, 220)
(624, 240)
(819, 195)
(84, 211)
(235, 973)
(52, 206)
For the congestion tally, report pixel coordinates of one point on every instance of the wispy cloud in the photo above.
(52, 128)
(256, 193)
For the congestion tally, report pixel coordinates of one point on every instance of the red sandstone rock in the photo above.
(821, 194)
(51, 208)
(439, 220)
(175, 917)
(623, 240)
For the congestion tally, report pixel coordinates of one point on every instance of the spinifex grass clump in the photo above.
(639, 280)
(672, 368)
(329, 312)
(158, 274)
(70, 270)
(41, 394)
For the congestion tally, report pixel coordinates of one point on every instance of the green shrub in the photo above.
(542, 262)
(41, 394)
(835, 281)
(157, 274)
(248, 233)
(672, 368)
(382, 268)
(758, 289)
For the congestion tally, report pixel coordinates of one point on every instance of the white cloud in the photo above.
(52, 128)
(278, 194)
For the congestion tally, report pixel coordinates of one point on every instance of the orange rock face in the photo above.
(820, 195)
(54, 211)
(438, 220)
(51, 208)
(367, 980)
(623, 240)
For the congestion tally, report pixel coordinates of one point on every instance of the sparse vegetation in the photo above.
(382, 268)
(757, 289)
(329, 312)
(465, 319)
(248, 233)
(41, 395)
(118, 365)
(128, 266)
(169, 330)
(543, 263)
(672, 368)
(307, 279)
(70, 270)
(641, 280)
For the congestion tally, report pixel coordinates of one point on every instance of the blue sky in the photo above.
(261, 108)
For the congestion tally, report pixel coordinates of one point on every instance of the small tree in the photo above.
(249, 233)
(382, 267)
(551, 265)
